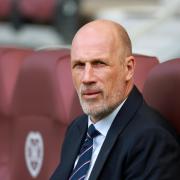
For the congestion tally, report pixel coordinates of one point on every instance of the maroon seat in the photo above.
(162, 90)
(143, 66)
(11, 61)
(10, 64)
(44, 104)
(5, 8)
(37, 10)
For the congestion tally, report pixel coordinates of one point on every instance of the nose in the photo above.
(88, 75)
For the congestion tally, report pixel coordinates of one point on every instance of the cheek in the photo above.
(115, 84)
(76, 80)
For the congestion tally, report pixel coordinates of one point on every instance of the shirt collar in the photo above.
(104, 124)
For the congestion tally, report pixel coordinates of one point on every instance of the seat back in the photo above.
(162, 90)
(37, 10)
(44, 104)
(11, 60)
(143, 66)
(5, 9)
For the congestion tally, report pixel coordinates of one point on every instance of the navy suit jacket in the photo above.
(140, 145)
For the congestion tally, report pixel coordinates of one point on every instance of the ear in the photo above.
(130, 66)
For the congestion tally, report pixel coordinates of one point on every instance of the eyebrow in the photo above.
(91, 60)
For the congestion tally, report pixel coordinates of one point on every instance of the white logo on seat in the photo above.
(34, 152)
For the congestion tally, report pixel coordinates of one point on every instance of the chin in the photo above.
(95, 110)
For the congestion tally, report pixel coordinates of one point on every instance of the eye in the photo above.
(99, 63)
(78, 65)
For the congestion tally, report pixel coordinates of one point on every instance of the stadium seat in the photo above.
(11, 60)
(44, 104)
(37, 10)
(162, 90)
(5, 9)
(143, 66)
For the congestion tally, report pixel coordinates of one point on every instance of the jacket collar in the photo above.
(74, 144)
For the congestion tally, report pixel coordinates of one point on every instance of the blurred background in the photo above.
(37, 98)
(153, 25)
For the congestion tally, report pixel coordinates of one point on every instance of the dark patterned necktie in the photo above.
(82, 166)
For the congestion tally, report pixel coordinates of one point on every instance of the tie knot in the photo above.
(92, 132)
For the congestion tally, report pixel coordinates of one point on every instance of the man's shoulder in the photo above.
(152, 117)
(149, 122)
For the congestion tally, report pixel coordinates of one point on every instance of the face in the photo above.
(99, 75)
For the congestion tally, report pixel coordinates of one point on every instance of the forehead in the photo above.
(92, 46)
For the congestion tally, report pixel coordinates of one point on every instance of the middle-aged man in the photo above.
(120, 137)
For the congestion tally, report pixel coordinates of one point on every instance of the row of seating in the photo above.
(38, 102)
(62, 15)
(41, 10)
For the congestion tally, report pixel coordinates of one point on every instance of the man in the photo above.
(132, 141)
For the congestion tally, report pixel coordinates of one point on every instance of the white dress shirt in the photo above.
(102, 126)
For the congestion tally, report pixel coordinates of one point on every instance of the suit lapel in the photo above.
(124, 116)
(74, 145)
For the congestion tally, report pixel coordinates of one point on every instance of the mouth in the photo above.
(90, 94)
